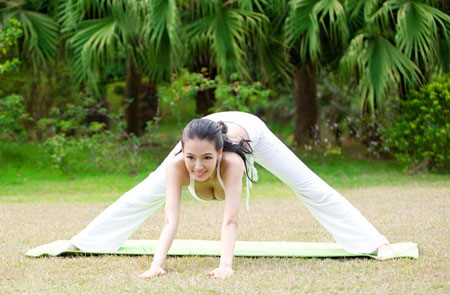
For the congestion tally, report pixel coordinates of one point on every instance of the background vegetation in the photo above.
(102, 79)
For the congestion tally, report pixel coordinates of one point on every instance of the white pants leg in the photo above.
(347, 225)
(109, 230)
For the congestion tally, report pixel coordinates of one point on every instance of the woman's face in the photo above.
(200, 157)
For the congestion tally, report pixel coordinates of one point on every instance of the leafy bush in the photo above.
(12, 115)
(237, 95)
(72, 140)
(420, 136)
(240, 95)
(12, 111)
(8, 39)
(181, 91)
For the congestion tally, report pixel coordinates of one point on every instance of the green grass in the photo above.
(39, 204)
(27, 175)
(416, 213)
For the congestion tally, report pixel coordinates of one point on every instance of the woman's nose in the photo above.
(198, 164)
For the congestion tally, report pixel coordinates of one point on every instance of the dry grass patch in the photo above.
(415, 213)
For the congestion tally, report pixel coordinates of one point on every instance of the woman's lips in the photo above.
(199, 174)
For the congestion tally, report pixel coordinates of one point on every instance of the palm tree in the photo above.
(40, 30)
(218, 36)
(141, 34)
(317, 33)
(395, 46)
(38, 47)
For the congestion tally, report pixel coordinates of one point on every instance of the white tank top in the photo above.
(252, 171)
(191, 186)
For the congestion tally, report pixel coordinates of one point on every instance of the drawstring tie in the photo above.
(253, 174)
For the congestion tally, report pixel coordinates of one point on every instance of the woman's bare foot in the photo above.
(72, 247)
(385, 251)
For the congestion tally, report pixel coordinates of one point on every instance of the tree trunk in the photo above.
(307, 110)
(37, 103)
(204, 101)
(132, 87)
(149, 104)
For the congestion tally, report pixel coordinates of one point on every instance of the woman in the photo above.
(213, 155)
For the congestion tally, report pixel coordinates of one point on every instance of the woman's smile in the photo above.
(199, 174)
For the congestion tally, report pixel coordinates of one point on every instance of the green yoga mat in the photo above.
(212, 248)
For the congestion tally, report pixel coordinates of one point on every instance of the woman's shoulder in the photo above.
(177, 168)
(232, 160)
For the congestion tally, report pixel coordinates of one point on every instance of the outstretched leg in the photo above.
(347, 225)
(109, 230)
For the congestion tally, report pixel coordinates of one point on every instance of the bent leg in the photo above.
(109, 230)
(347, 225)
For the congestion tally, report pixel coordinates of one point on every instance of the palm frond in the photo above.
(227, 42)
(309, 21)
(353, 61)
(274, 60)
(303, 28)
(377, 14)
(95, 42)
(254, 5)
(161, 38)
(40, 36)
(417, 32)
(332, 17)
(70, 14)
(385, 67)
(225, 33)
(40, 32)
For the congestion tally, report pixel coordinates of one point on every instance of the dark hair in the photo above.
(216, 132)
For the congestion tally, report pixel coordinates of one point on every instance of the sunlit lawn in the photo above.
(39, 205)
(417, 213)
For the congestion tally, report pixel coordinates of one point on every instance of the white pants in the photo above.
(109, 230)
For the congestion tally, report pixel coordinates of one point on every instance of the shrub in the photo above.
(420, 135)
(239, 95)
(12, 111)
(12, 115)
(234, 94)
(8, 40)
(75, 143)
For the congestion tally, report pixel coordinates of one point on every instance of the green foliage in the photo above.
(237, 95)
(421, 134)
(181, 91)
(12, 117)
(40, 31)
(71, 135)
(68, 134)
(12, 111)
(393, 45)
(8, 39)
(225, 30)
(61, 149)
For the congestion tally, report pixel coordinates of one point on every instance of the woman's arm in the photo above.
(233, 189)
(172, 208)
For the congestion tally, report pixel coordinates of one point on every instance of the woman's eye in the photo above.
(190, 157)
(208, 158)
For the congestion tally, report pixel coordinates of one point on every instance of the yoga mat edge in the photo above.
(212, 248)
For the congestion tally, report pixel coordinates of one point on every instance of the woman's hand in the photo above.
(221, 273)
(154, 271)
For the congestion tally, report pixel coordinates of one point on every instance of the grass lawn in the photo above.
(39, 205)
